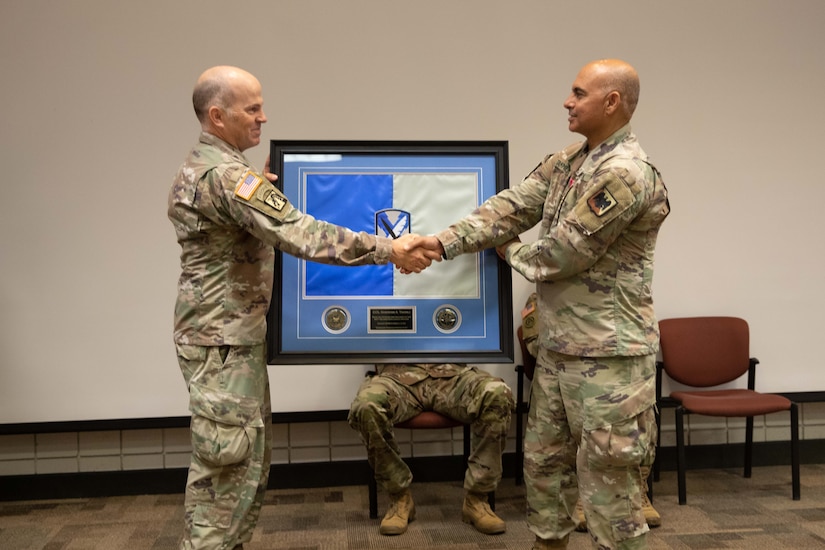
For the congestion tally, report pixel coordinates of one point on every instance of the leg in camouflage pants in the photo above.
(591, 426)
(473, 396)
(231, 443)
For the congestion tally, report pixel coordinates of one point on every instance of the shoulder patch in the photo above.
(273, 198)
(247, 185)
(604, 203)
(255, 191)
(601, 203)
(529, 307)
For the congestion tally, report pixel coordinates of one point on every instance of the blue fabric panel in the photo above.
(350, 201)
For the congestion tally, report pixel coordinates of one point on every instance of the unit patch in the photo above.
(601, 202)
(273, 199)
(254, 191)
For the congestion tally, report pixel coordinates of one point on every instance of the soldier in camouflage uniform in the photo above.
(530, 334)
(228, 217)
(399, 392)
(599, 205)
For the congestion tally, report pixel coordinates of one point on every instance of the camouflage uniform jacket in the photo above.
(593, 260)
(227, 219)
(409, 374)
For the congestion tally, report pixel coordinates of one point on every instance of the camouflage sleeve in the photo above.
(500, 219)
(611, 201)
(260, 208)
(529, 325)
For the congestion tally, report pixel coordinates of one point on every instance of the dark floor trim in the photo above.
(772, 453)
(333, 474)
(148, 482)
(156, 423)
(805, 396)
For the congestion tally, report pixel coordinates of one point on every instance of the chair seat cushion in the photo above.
(735, 402)
(428, 420)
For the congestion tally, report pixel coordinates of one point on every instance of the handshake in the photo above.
(413, 253)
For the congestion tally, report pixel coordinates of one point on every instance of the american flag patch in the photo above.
(247, 185)
(529, 308)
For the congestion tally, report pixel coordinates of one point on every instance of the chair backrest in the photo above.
(705, 351)
(527, 359)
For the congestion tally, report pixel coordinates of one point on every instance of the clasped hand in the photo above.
(413, 253)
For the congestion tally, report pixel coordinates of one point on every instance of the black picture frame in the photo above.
(469, 321)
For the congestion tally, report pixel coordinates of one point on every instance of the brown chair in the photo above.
(427, 420)
(706, 352)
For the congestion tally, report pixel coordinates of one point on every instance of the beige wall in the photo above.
(97, 117)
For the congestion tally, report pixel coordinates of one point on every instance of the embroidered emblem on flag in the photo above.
(392, 223)
(601, 202)
(247, 185)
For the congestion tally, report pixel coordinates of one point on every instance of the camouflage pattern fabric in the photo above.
(530, 325)
(467, 394)
(593, 260)
(231, 432)
(593, 430)
(596, 441)
(228, 218)
(599, 213)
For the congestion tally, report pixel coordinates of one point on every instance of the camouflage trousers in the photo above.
(473, 396)
(590, 428)
(231, 430)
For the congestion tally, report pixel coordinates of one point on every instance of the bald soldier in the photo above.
(599, 205)
(229, 219)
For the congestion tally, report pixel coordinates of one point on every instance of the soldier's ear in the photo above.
(216, 116)
(611, 102)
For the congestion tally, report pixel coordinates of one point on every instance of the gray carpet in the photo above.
(724, 510)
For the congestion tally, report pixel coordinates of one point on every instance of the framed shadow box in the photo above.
(454, 311)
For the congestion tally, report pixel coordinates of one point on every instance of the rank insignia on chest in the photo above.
(601, 202)
(247, 185)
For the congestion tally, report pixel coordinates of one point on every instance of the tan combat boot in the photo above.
(651, 515)
(477, 511)
(401, 512)
(543, 544)
(578, 517)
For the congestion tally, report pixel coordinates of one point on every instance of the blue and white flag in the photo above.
(393, 205)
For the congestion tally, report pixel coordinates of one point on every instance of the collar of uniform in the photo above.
(604, 151)
(218, 143)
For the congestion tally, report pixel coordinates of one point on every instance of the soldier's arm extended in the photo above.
(580, 237)
(260, 207)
